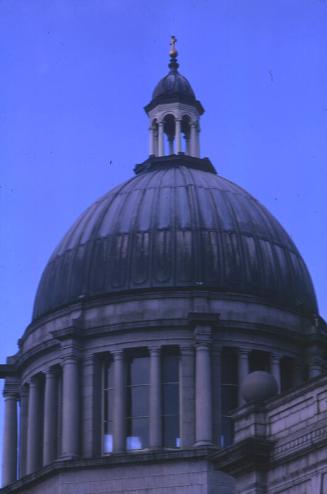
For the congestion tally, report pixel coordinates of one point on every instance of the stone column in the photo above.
(119, 402)
(216, 397)
(203, 387)
(187, 405)
(151, 141)
(23, 430)
(155, 141)
(187, 144)
(70, 403)
(50, 417)
(160, 139)
(155, 399)
(9, 458)
(275, 368)
(91, 399)
(197, 142)
(193, 140)
(178, 137)
(33, 426)
(243, 371)
(315, 366)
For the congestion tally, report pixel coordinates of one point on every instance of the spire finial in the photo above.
(173, 65)
(173, 51)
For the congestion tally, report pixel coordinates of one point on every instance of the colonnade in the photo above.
(39, 420)
(156, 139)
(43, 438)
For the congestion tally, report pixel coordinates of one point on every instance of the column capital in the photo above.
(71, 355)
(23, 391)
(155, 349)
(118, 354)
(187, 350)
(275, 357)
(11, 388)
(34, 381)
(243, 352)
(93, 358)
(51, 373)
(202, 336)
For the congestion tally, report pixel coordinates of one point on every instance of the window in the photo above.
(107, 404)
(138, 381)
(170, 400)
(229, 393)
(287, 373)
(259, 360)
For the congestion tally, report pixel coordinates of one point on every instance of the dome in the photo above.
(174, 88)
(176, 225)
(173, 85)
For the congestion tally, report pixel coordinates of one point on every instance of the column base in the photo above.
(69, 457)
(200, 444)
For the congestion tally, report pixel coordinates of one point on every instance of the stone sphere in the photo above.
(258, 386)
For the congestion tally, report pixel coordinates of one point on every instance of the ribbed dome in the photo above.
(173, 84)
(174, 226)
(174, 88)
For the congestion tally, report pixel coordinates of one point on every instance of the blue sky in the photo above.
(75, 77)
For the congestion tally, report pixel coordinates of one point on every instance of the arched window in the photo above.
(186, 132)
(154, 138)
(169, 131)
(170, 399)
(137, 417)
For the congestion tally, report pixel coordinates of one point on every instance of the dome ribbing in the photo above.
(176, 227)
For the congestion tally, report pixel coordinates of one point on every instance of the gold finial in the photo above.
(173, 51)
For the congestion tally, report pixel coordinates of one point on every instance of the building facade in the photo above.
(154, 308)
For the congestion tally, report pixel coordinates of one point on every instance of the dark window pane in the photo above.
(287, 369)
(170, 399)
(139, 371)
(139, 401)
(229, 398)
(227, 432)
(259, 361)
(110, 398)
(170, 368)
(229, 366)
(107, 407)
(171, 432)
(138, 433)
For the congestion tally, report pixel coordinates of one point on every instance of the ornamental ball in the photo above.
(258, 386)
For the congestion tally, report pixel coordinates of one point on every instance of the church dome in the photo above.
(176, 225)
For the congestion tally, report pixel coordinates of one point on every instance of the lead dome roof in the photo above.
(176, 225)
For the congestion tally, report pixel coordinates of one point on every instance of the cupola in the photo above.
(174, 113)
